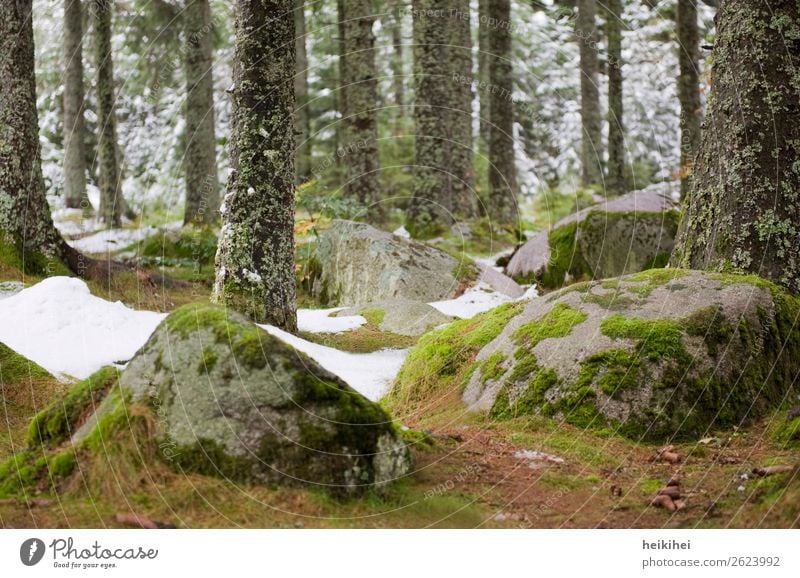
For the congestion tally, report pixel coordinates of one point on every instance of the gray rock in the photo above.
(401, 316)
(232, 400)
(616, 237)
(358, 263)
(660, 354)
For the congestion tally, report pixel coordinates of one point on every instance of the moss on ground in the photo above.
(196, 245)
(56, 423)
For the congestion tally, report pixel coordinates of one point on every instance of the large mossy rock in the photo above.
(225, 398)
(624, 235)
(357, 263)
(661, 354)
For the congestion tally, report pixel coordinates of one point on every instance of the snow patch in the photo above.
(322, 321)
(370, 374)
(475, 300)
(60, 325)
(115, 239)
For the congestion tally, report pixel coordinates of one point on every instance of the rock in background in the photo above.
(624, 235)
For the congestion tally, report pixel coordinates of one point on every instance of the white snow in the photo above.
(475, 300)
(370, 374)
(320, 321)
(115, 239)
(402, 232)
(491, 261)
(61, 326)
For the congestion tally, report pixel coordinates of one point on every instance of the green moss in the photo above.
(710, 324)
(208, 361)
(656, 339)
(57, 422)
(374, 316)
(565, 257)
(657, 276)
(32, 263)
(492, 367)
(788, 433)
(558, 322)
(613, 301)
(16, 369)
(442, 356)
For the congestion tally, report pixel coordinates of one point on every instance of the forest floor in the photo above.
(470, 471)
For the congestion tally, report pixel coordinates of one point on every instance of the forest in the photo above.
(399, 263)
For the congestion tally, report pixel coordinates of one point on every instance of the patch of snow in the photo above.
(115, 239)
(402, 232)
(531, 292)
(321, 321)
(370, 374)
(60, 325)
(475, 300)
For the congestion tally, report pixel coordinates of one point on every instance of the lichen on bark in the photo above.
(741, 214)
(255, 258)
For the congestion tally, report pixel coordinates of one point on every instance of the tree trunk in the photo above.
(359, 149)
(28, 239)
(111, 207)
(443, 174)
(742, 212)
(483, 73)
(74, 130)
(397, 67)
(200, 161)
(615, 179)
(688, 88)
(255, 258)
(591, 139)
(302, 120)
(502, 170)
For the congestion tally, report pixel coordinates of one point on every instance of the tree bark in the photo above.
(302, 120)
(200, 161)
(28, 238)
(111, 205)
(615, 178)
(398, 85)
(742, 212)
(591, 139)
(74, 129)
(688, 88)
(502, 169)
(255, 258)
(359, 149)
(443, 174)
(483, 73)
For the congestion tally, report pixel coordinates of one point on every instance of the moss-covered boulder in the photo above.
(400, 316)
(356, 263)
(661, 354)
(187, 246)
(619, 236)
(219, 396)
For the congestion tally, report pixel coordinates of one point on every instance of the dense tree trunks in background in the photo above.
(483, 72)
(443, 173)
(688, 88)
(111, 206)
(255, 258)
(302, 120)
(592, 123)
(25, 224)
(615, 177)
(74, 129)
(398, 84)
(502, 171)
(359, 147)
(744, 206)
(200, 161)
